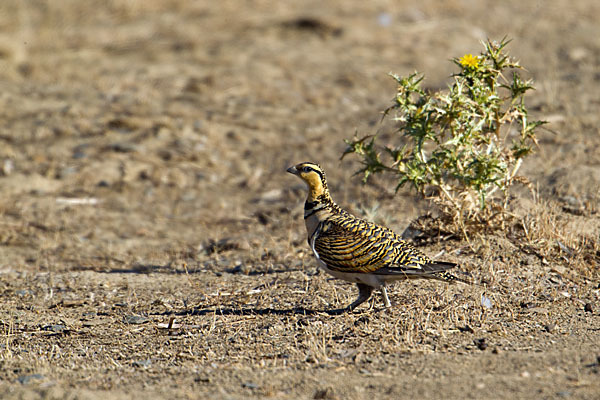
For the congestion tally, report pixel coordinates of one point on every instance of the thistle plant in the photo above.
(463, 146)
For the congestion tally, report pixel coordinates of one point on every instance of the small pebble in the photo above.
(588, 307)
(480, 343)
(25, 379)
(142, 363)
(135, 319)
(325, 394)
(384, 19)
(250, 385)
(486, 302)
(123, 147)
(239, 269)
(7, 167)
(527, 305)
(55, 328)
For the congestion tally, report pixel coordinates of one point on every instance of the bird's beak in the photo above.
(292, 170)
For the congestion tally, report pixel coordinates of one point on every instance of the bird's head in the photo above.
(314, 177)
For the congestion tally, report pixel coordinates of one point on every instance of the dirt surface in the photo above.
(152, 245)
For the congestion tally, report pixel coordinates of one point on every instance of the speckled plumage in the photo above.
(359, 251)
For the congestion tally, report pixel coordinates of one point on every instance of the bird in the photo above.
(359, 251)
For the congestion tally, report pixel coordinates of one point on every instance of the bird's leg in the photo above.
(384, 295)
(364, 292)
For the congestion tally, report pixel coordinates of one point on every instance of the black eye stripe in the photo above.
(308, 168)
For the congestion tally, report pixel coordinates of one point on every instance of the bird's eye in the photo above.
(305, 169)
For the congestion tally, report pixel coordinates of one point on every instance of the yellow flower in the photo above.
(469, 61)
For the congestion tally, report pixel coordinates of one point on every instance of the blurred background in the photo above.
(173, 121)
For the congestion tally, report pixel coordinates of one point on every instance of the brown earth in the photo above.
(143, 146)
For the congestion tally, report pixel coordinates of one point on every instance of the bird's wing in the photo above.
(351, 245)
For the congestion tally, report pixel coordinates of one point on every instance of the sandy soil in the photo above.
(152, 245)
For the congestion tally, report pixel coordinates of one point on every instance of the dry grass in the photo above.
(563, 238)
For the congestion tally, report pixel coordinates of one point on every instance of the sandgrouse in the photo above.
(359, 251)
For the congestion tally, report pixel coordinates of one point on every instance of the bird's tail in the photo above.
(439, 270)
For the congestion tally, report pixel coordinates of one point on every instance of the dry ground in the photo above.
(142, 154)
